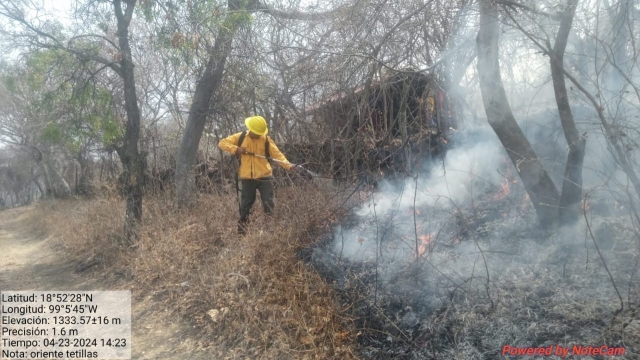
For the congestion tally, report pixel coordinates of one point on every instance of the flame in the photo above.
(411, 211)
(425, 240)
(503, 192)
(585, 205)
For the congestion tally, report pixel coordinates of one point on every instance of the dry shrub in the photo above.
(263, 300)
(250, 297)
(90, 229)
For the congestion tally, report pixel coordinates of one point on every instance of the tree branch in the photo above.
(15, 15)
(545, 50)
(296, 15)
(514, 4)
(128, 13)
(93, 35)
(612, 138)
(85, 56)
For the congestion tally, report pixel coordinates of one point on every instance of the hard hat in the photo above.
(257, 125)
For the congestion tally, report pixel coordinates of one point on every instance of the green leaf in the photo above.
(52, 133)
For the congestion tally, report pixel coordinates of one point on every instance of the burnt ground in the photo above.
(526, 287)
(29, 261)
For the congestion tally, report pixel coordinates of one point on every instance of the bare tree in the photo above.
(22, 127)
(207, 85)
(604, 58)
(39, 37)
(571, 194)
(535, 178)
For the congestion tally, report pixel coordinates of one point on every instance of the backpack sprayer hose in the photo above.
(283, 162)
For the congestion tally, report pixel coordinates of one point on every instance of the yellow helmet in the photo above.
(257, 125)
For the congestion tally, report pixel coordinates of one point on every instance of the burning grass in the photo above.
(484, 276)
(249, 297)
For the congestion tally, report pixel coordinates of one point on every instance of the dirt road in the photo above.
(28, 262)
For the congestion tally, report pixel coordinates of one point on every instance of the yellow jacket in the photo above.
(252, 167)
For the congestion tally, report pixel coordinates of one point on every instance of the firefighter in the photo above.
(255, 172)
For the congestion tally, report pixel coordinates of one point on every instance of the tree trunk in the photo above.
(537, 182)
(42, 191)
(84, 186)
(620, 33)
(207, 85)
(221, 167)
(61, 188)
(571, 195)
(402, 119)
(132, 162)
(48, 186)
(38, 157)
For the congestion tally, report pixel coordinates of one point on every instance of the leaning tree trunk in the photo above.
(42, 191)
(536, 180)
(48, 186)
(131, 160)
(572, 183)
(207, 85)
(38, 157)
(60, 187)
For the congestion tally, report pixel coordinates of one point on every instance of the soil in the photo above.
(28, 261)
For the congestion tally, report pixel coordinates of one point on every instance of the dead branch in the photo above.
(584, 212)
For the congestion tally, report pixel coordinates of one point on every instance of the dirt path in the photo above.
(28, 262)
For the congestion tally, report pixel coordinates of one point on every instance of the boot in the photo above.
(242, 228)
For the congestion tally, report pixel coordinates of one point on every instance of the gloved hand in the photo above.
(297, 169)
(240, 150)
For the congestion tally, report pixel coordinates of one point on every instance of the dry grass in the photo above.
(249, 297)
(86, 229)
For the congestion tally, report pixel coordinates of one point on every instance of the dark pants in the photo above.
(248, 197)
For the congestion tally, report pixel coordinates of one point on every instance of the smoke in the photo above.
(464, 170)
(419, 206)
(454, 221)
(603, 180)
(462, 232)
